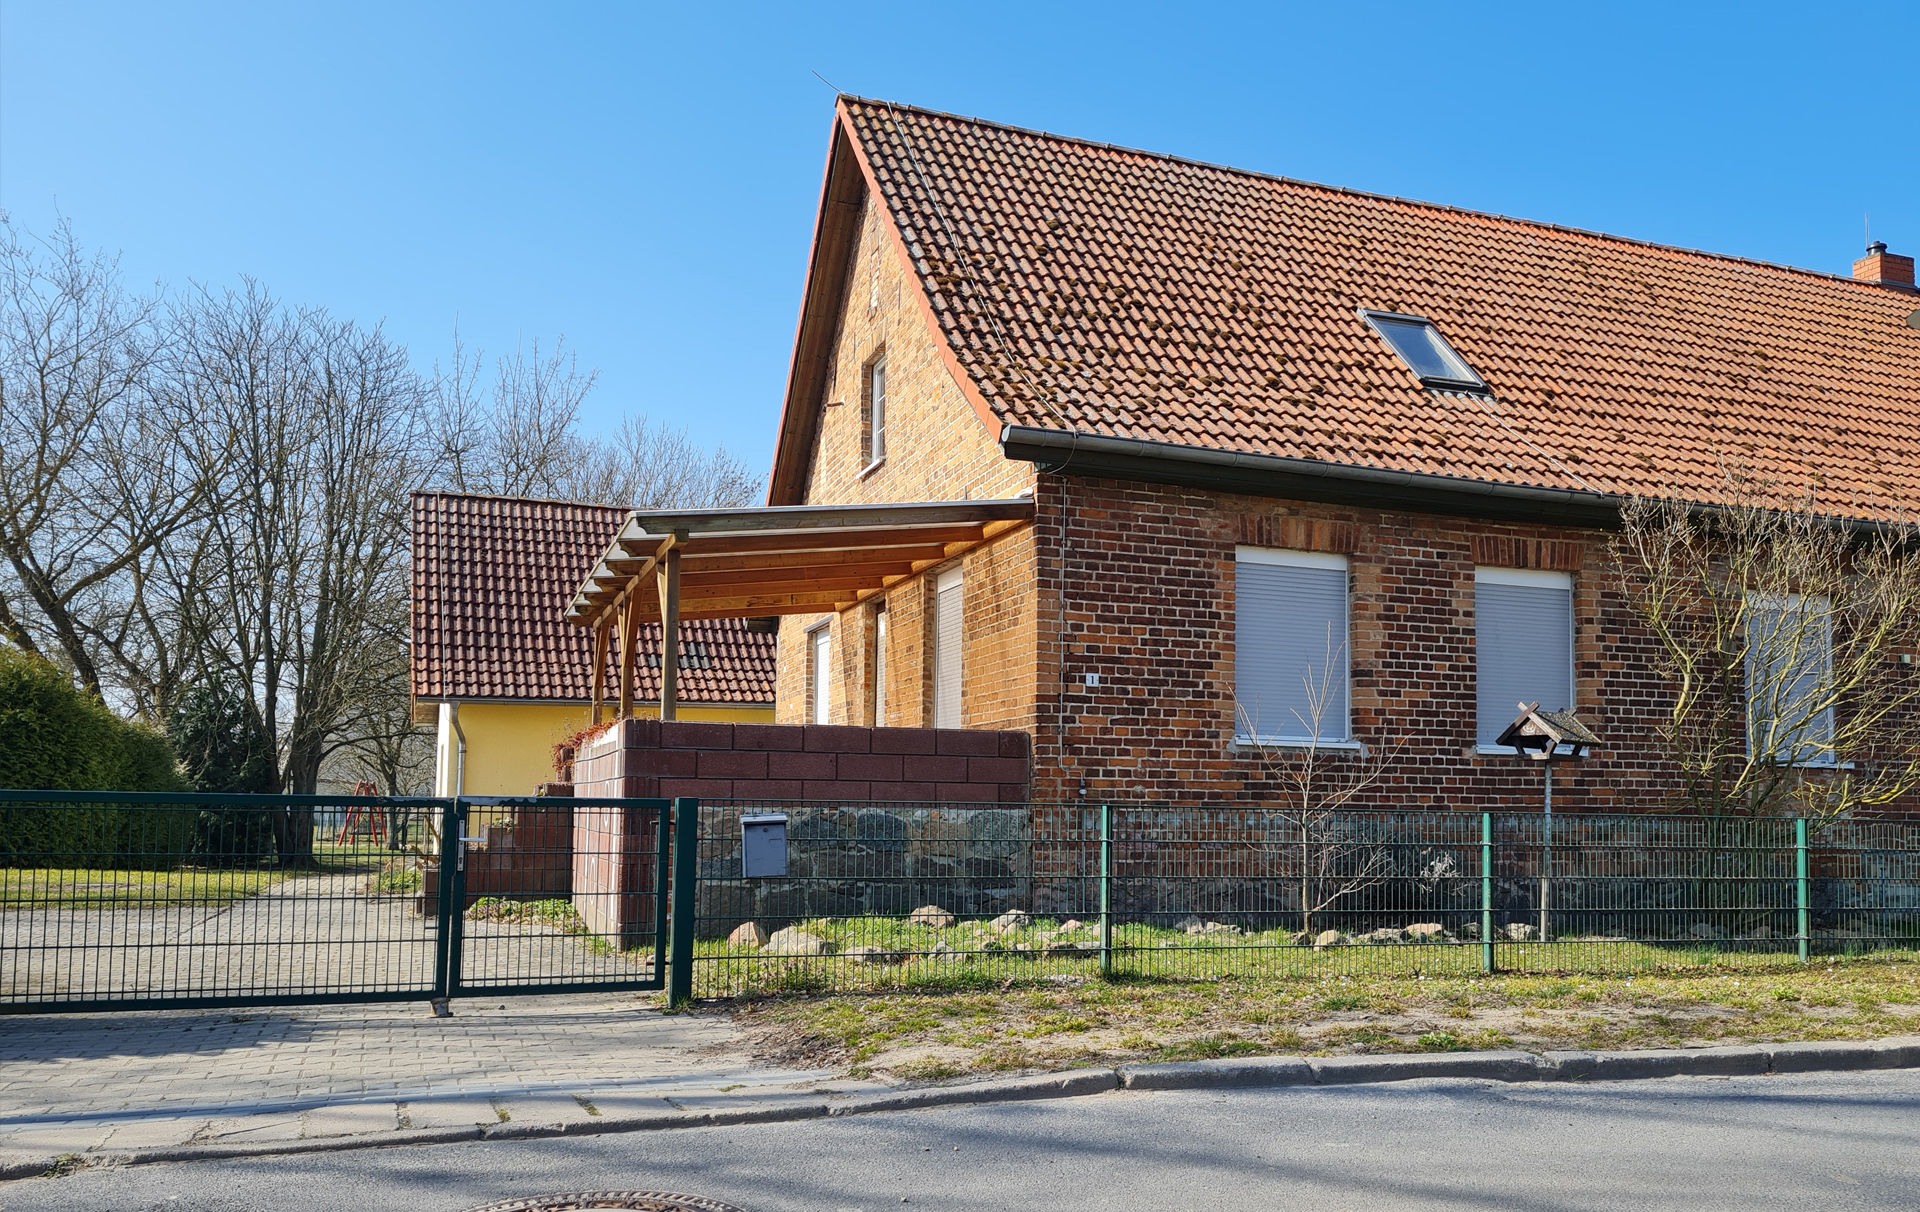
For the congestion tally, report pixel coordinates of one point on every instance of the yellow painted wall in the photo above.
(510, 745)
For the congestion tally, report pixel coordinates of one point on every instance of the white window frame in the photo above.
(880, 667)
(1758, 603)
(1537, 578)
(874, 388)
(820, 673)
(1288, 558)
(950, 579)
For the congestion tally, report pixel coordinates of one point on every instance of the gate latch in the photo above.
(460, 857)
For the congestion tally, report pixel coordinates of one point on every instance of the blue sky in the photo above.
(643, 178)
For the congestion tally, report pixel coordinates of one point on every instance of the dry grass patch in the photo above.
(1060, 1022)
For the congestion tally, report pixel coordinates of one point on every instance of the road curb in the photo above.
(1073, 1083)
(1657, 1062)
(1836, 1056)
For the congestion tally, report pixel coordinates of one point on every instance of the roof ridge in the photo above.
(501, 496)
(1362, 193)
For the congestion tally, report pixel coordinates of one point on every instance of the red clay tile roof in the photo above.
(491, 581)
(1137, 295)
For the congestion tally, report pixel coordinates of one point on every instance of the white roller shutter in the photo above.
(819, 667)
(880, 670)
(947, 604)
(1523, 633)
(1290, 645)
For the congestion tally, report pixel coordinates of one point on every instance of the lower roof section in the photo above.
(491, 580)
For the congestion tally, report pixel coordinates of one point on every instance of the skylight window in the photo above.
(1425, 351)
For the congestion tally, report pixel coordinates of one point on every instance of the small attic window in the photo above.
(1425, 351)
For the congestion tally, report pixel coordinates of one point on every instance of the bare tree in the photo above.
(648, 465)
(305, 586)
(97, 471)
(1785, 637)
(513, 435)
(1329, 858)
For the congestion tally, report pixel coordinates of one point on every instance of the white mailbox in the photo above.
(763, 844)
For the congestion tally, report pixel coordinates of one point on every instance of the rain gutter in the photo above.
(1100, 456)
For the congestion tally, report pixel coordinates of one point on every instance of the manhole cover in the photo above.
(642, 1201)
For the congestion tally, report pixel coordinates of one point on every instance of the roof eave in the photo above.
(1101, 456)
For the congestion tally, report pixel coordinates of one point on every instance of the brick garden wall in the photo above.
(651, 758)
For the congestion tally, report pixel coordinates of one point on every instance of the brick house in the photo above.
(1273, 429)
(493, 658)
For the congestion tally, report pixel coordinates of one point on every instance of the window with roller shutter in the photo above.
(1290, 646)
(1523, 639)
(947, 607)
(880, 668)
(819, 668)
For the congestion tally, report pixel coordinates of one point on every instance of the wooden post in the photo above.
(600, 628)
(629, 652)
(667, 577)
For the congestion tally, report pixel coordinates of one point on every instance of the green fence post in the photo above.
(1803, 899)
(686, 872)
(1106, 890)
(445, 916)
(1486, 893)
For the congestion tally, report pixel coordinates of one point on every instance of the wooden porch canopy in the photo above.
(665, 566)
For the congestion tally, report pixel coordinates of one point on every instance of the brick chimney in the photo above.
(1883, 268)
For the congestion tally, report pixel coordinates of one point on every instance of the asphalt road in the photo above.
(1832, 1142)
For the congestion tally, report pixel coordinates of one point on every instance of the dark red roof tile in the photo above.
(1127, 293)
(491, 580)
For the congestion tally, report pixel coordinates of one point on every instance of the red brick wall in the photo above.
(1145, 573)
(615, 850)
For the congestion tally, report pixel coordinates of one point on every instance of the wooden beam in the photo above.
(600, 629)
(667, 578)
(755, 605)
(775, 561)
(825, 517)
(690, 592)
(826, 560)
(629, 654)
(827, 540)
(689, 613)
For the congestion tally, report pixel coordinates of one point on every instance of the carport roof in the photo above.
(803, 559)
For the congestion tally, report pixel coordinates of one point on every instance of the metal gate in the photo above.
(151, 901)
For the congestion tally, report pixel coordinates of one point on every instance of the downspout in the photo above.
(460, 759)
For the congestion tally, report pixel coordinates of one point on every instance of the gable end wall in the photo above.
(937, 449)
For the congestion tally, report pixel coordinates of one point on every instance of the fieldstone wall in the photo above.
(858, 860)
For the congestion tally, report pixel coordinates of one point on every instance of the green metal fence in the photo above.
(198, 900)
(904, 895)
(150, 900)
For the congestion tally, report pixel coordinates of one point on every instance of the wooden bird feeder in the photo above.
(1547, 737)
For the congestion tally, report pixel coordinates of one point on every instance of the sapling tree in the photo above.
(1329, 858)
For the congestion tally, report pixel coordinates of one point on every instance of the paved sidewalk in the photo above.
(105, 1083)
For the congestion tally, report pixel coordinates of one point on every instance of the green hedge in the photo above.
(55, 738)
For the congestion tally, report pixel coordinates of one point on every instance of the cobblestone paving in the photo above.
(108, 1082)
(315, 934)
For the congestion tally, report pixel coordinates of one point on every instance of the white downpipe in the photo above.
(460, 751)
